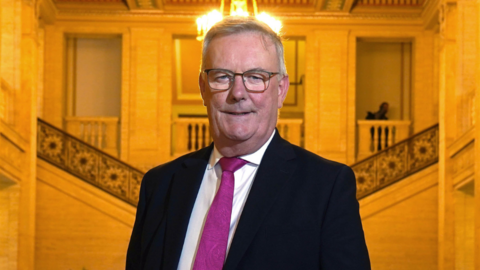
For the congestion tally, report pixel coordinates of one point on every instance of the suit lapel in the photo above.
(273, 173)
(185, 186)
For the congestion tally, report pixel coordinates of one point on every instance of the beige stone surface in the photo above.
(464, 226)
(9, 192)
(424, 100)
(400, 223)
(77, 225)
(404, 236)
(18, 76)
(458, 109)
(326, 94)
(54, 211)
(11, 16)
(476, 133)
(53, 96)
(467, 38)
(149, 108)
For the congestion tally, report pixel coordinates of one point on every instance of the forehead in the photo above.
(243, 50)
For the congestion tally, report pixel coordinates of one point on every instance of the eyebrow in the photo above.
(252, 69)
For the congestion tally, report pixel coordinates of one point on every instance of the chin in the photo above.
(239, 134)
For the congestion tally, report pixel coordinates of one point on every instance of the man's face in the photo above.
(385, 107)
(239, 117)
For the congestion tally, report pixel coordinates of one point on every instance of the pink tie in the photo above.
(213, 244)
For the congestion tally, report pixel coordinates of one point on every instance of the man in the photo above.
(381, 114)
(277, 207)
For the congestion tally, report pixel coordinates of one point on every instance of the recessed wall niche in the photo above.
(383, 74)
(294, 52)
(186, 98)
(93, 70)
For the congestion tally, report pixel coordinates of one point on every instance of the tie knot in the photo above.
(231, 164)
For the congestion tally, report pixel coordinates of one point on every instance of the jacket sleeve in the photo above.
(342, 239)
(134, 252)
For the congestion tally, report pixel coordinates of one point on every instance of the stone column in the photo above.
(54, 95)
(467, 64)
(476, 119)
(326, 94)
(447, 121)
(424, 98)
(149, 99)
(26, 125)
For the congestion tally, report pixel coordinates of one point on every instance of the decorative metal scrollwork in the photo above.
(396, 162)
(88, 163)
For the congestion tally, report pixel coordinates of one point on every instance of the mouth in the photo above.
(239, 113)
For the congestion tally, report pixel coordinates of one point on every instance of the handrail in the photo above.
(123, 181)
(101, 132)
(396, 162)
(375, 135)
(88, 163)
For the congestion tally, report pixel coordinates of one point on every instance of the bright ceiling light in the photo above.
(237, 8)
(206, 22)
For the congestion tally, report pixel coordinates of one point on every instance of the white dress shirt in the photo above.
(211, 182)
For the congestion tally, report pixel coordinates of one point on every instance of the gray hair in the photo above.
(237, 24)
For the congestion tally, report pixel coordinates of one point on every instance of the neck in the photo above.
(229, 148)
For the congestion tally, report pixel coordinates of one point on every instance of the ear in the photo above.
(201, 84)
(283, 85)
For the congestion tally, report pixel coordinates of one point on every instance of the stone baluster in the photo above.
(376, 135)
(101, 132)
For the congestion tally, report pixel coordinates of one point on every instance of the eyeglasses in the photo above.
(253, 80)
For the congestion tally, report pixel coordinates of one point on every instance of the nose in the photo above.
(238, 91)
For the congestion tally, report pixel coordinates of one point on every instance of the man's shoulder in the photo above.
(313, 163)
(166, 170)
(312, 158)
(173, 165)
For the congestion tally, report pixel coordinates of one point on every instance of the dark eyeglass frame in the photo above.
(232, 80)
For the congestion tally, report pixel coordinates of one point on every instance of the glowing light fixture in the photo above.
(237, 8)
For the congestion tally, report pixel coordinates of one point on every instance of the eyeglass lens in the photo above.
(253, 80)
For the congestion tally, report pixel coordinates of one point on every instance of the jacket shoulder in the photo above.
(161, 174)
(313, 160)
(320, 171)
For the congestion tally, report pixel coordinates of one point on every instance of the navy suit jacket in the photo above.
(301, 213)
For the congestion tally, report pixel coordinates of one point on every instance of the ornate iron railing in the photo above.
(123, 181)
(88, 163)
(396, 162)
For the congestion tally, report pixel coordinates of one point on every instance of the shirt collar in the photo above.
(253, 158)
